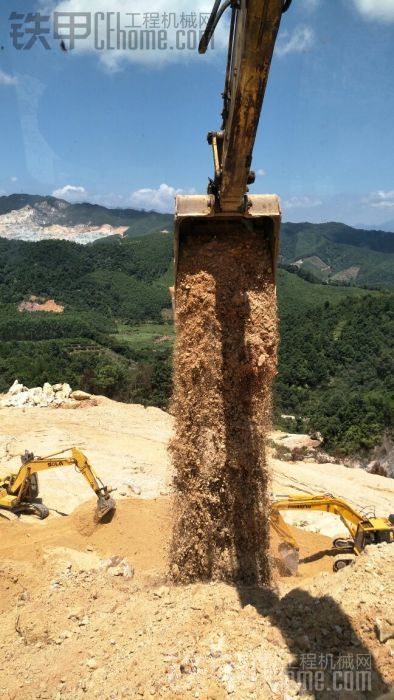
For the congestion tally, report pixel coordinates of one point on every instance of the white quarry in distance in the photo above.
(27, 224)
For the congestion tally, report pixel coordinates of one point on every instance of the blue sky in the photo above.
(129, 128)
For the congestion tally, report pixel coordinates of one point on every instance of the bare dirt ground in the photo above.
(76, 625)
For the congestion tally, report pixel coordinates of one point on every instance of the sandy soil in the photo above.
(75, 626)
(127, 446)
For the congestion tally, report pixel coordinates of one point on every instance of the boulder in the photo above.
(79, 395)
(65, 392)
(35, 395)
(16, 388)
(19, 400)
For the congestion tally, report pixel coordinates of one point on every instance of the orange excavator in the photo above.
(254, 25)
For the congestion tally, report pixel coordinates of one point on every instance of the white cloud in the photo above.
(381, 199)
(7, 79)
(160, 199)
(381, 10)
(71, 193)
(301, 39)
(114, 56)
(303, 202)
(14, 179)
(260, 172)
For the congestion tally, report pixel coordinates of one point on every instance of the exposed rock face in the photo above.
(34, 224)
(48, 395)
(34, 304)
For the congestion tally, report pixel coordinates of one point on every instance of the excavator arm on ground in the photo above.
(20, 491)
(363, 530)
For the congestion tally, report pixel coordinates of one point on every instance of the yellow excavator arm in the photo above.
(22, 488)
(254, 26)
(324, 503)
(253, 29)
(363, 530)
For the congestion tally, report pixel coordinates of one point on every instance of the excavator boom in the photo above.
(253, 30)
(363, 530)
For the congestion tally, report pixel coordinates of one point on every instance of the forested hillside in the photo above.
(115, 335)
(341, 253)
(327, 252)
(52, 210)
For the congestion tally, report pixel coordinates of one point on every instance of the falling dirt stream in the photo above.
(224, 363)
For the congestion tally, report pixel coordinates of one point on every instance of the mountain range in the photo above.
(330, 252)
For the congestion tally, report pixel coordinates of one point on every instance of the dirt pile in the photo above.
(74, 626)
(225, 359)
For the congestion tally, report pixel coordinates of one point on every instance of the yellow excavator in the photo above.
(254, 25)
(364, 528)
(19, 493)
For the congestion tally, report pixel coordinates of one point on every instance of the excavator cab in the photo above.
(373, 531)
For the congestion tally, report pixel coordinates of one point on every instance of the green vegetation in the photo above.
(336, 371)
(122, 279)
(115, 336)
(340, 247)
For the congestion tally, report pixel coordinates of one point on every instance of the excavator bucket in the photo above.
(289, 557)
(195, 216)
(105, 505)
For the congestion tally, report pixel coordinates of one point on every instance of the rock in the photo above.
(118, 566)
(187, 666)
(57, 387)
(65, 391)
(75, 613)
(48, 393)
(92, 664)
(36, 395)
(384, 630)
(18, 400)
(16, 388)
(79, 395)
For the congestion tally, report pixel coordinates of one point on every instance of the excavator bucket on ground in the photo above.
(105, 505)
(289, 558)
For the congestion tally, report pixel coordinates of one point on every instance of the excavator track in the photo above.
(40, 510)
(341, 561)
(8, 515)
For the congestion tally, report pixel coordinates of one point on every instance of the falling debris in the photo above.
(225, 360)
